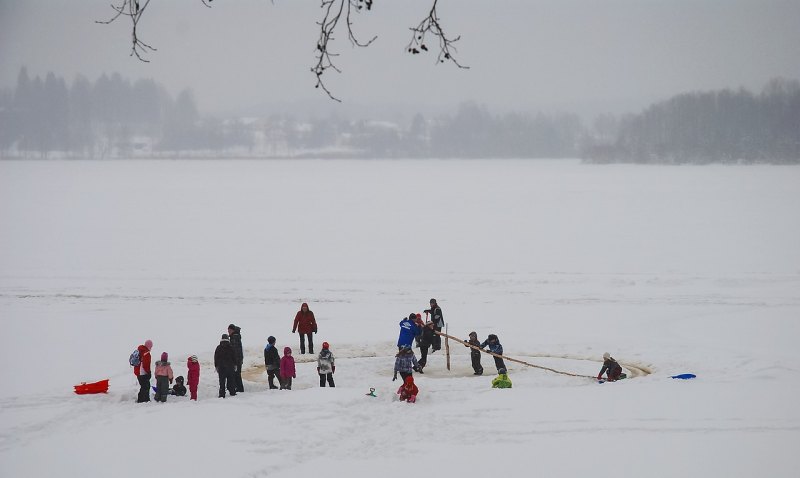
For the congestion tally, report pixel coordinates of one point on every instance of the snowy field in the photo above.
(670, 269)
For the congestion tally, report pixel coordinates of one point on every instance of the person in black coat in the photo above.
(235, 334)
(272, 362)
(475, 355)
(225, 364)
(438, 323)
(426, 338)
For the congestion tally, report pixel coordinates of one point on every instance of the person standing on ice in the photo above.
(475, 355)
(611, 367)
(409, 328)
(235, 334)
(426, 338)
(326, 365)
(438, 323)
(306, 325)
(193, 376)
(288, 371)
(142, 371)
(405, 363)
(496, 348)
(225, 364)
(272, 362)
(164, 378)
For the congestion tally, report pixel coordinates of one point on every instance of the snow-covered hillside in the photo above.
(670, 269)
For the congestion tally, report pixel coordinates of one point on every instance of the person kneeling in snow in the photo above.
(613, 369)
(408, 391)
(502, 380)
(179, 390)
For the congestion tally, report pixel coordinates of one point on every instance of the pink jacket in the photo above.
(287, 364)
(193, 376)
(163, 369)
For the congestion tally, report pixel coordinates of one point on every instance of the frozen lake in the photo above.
(671, 269)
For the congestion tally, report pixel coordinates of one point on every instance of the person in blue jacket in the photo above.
(409, 328)
(494, 347)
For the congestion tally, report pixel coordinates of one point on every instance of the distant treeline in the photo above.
(113, 117)
(711, 127)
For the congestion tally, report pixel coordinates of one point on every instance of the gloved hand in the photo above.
(317, 369)
(333, 369)
(294, 330)
(394, 378)
(600, 377)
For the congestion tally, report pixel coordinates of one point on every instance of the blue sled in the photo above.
(684, 376)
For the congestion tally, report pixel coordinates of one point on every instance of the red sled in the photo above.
(94, 387)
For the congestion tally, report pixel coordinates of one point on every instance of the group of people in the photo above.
(163, 374)
(228, 362)
(229, 359)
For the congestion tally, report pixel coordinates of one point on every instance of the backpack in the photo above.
(134, 359)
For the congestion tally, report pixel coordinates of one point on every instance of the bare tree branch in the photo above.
(334, 11)
(430, 25)
(134, 10)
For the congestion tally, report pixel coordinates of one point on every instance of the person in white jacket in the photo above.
(326, 365)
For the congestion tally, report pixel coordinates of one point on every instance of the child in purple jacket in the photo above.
(287, 369)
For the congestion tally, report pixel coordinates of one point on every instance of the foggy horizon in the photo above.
(583, 57)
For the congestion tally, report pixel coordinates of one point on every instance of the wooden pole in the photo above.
(447, 346)
(510, 359)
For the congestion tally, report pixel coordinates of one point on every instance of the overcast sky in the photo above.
(584, 56)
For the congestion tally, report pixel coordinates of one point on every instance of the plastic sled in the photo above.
(684, 376)
(94, 387)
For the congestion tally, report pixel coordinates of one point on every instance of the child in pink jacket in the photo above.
(193, 376)
(163, 378)
(287, 369)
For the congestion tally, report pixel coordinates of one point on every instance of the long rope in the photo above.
(511, 359)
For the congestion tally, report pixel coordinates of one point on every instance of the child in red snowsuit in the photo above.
(193, 377)
(408, 391)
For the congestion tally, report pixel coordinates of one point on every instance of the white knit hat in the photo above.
(606, 356)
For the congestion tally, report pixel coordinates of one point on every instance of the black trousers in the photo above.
(437, 340)
(326, 376)
(498, 362)
(476, 362)
(144, 388)
(237, 379)
(423, 349)
(226, 382)
(271, 374)
(162, 388)
(303, 343)
(286, 383)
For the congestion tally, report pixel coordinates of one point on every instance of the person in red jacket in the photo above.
(193, 376)
(305, 324)
(143, 372)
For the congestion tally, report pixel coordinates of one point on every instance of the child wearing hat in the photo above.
(611, 367)
(474, 354)
(288, 371)
(405, 363)
(163, 378)
(193, 376)
(408, 391)
(326, 365)
(272, 362)
(496, 348)
(179, 390)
